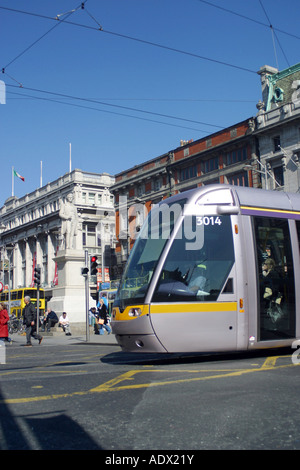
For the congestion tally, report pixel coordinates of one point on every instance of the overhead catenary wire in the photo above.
(106, 111)
(132, 38)
(100, 28)
(128, 108)
(273, 36)
(266, 25)
(64, 19)
(67, 15)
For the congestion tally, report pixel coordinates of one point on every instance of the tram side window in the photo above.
(197, 275)
(276, 315)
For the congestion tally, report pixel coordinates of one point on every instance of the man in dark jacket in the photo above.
(29, 319)
(50, 320)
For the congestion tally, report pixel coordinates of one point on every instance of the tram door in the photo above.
(275, 279)
(187, 312)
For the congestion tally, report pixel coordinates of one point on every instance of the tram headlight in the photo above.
(135, 312)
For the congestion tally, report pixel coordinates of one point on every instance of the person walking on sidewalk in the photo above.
(102, 309)
(29, 320)
(4, 319)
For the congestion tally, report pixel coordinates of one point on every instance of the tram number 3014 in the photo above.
(208, 220)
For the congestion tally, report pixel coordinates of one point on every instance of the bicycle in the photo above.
(15, 325)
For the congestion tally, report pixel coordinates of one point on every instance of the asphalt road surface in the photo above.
(77, 395)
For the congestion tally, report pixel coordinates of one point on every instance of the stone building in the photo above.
(278, 128)
(34, 231)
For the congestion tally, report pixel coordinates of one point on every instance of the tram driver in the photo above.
(198, 280)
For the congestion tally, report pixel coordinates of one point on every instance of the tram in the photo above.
(215, 269)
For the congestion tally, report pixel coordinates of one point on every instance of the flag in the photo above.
(19, 176)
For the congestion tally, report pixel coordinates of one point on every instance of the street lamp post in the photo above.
(264, 172)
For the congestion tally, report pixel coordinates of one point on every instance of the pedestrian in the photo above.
(4, 319)
(50, 320)
(104, 298)
(64, 323)
(102, 314)
(29, 320)
(92, 316)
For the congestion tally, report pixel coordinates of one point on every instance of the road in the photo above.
(85, 396)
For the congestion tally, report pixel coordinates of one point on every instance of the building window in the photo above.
(188, 172)
(140, 190)
(210, 165)
(157, 185)
(89, 235)
(92, 198)
(278, 175)
(235, 156)
(238, 179)
(276, 143)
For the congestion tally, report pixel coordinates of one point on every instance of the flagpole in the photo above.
(12, 181)
(41, 176)
(70, 158)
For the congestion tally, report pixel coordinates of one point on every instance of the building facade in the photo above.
(222, 157)
(30, 228)
(277, 128)
(262, 151)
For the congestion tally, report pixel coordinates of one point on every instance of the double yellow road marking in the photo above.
(126, 381)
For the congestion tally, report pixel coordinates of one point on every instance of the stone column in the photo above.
(69, 295)
(18, 281)
(28, 264)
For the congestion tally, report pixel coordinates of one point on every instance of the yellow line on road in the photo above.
(110, 386)
(269, 362)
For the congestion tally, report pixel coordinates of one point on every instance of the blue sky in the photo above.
(157, 71)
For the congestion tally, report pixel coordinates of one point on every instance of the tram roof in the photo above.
(246, 196)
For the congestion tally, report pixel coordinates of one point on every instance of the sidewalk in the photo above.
(61, 339)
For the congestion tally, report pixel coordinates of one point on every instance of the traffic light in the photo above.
(94, 265)
(37, 276)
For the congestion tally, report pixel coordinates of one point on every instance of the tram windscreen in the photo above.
(196, 267)
(146, 253)
(197, 270)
